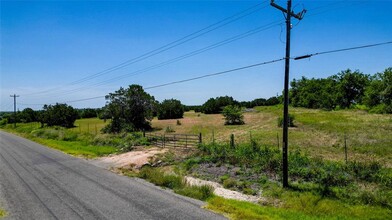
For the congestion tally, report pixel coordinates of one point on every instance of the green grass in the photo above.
(319, 133)
(302, 207)
(176, 183)
(77, 148)
(66, 140)
(2, 213)
(89, 125)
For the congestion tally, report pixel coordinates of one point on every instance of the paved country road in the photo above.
(37, 182)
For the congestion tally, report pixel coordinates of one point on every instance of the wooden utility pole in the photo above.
(14, 96)
(289, 13)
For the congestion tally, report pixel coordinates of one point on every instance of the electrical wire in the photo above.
(247, 67)
(340, 50)
(179, 58)
(202, 50)
(171, 45)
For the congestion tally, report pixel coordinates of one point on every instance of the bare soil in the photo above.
(141, 156)
(135, 159)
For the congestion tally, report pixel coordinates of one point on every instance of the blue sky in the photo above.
(47, 46)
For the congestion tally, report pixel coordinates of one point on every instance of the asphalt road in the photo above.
(37, 182)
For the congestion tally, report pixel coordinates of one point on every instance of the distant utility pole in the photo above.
(288, 13)
(14, 108)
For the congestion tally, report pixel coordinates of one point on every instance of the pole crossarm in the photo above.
(14, 96)
(298, 16)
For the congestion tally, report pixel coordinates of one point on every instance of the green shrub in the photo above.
(159, 178)
(233, 115)
(384, 177)
(203, 192)
(291, 121)
(364, 171)
(229, 183)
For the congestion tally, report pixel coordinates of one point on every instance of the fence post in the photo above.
(232, 140)
(164, 141)
(144, 133)
(200, 138)
(174, 137)
(96, 131)
(213, 137)
(345, 147)
(277, 138)
(186, 140)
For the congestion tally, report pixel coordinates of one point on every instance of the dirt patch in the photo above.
(136, 158)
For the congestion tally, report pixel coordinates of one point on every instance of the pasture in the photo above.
(318, 133)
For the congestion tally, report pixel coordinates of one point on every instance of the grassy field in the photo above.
(91, 126)
(304, 209)
(317, 132)
(70, 141)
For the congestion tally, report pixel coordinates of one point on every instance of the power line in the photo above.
(170, 45)
(182, 57)
(340, 50)
(187, 80)
(233, 18)
(215, 74)
(236, 69)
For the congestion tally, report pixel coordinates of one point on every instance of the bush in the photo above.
(233, 115)
(291, 121)
(170, 109)
(58, 115)
(229, 183)
(159, 178)
(203, 192)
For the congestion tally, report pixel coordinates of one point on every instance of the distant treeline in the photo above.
(59, 114)
(346, 89)
(216, 105)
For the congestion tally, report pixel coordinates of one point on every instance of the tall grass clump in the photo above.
(175, 182)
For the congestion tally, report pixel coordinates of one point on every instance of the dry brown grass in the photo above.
(317, 132)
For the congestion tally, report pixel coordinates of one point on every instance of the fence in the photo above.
(174, 140)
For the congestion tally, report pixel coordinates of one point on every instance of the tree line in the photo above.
(347, 89)
(131, 109)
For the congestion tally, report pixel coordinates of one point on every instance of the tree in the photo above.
(215, 106)
(378, 95)
(233, 115)
(88, 113)
(28, 115)
(58, 115)
(131, 109)
(313, 93)
(170, 109)
(351, 87)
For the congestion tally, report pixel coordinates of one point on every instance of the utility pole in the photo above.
(289, 13)
(14, 96)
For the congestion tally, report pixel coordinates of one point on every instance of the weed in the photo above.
(290, 122)
(169, 129)
(229, 183)
(175, 182)
(203, 192)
